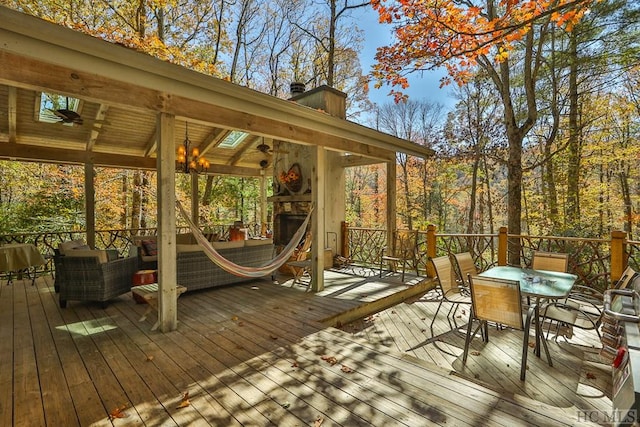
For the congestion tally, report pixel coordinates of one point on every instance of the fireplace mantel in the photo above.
(294, 198)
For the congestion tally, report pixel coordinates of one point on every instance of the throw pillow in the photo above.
(150, 247)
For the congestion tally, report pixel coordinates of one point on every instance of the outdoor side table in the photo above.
(149, 293)
(17, 257)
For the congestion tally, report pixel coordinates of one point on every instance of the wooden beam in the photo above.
(244, 146)
(350, 161)
(152, 144)
(32, 153)
(213, 139)
(97, 125)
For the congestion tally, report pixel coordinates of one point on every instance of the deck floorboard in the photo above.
(259, 354)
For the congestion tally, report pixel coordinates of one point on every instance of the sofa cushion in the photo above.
(150, 247)
(258, 242)
(188, 248)
(100, 254)
(64, 247)
(228, 245)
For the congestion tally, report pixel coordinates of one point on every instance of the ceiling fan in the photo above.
(268, 152)
(68, 116)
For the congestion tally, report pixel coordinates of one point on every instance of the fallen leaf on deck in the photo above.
(149, 358)
(273, 337)
(185, 400)
(285, 405)
(532, 345)
(346, 369)
(318, 422)
(310, 309)
(234, 318)
(475, 353)
(330, 359)
(118, 413)
(294, 365)
(591, 376)
(240, 323)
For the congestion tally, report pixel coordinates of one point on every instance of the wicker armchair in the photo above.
(88, 278)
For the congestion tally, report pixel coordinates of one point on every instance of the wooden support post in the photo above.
(317, 220)
(503, 244)
(195, 199)
(90, 204)
(619, 256)
(391, 201)
(431, 249)
(167, 271)
(263, 203)
(344, 239)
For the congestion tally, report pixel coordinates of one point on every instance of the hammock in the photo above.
(239, 270)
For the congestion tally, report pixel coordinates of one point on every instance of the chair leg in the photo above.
(470, 336)
(525, 344)
(435, 316)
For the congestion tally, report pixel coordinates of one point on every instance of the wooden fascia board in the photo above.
(60, 46)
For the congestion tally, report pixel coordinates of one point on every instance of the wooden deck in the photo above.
(258, 354)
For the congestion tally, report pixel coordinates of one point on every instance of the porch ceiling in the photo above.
(123, 91)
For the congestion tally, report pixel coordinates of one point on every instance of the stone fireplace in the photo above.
(293, 169)
(288, 216)
(285, 226)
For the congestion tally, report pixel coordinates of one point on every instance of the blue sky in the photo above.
(423, 86)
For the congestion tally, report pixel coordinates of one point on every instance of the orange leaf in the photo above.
(330, 359)
(318, 422)
(185, 400)
(118, 413)
(346, 369)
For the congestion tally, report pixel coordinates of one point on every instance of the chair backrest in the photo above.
(302, 252)
(465, 266)
(444, 272)
(627, 276)
(405, 243)
(496, 300)
(550, 261)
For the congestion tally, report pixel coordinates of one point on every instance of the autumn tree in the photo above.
(473, 139)
(463, 36)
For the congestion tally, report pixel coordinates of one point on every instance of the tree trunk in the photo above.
(572, 214)
(136, 200)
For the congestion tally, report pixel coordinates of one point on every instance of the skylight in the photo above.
(234, 139)
(52, 102)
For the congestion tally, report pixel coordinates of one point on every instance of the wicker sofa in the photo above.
(196, 271)
(92, 275)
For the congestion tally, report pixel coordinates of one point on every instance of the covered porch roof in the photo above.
(135, 109)
(121, 92)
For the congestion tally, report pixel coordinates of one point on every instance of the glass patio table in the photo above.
(539, 284)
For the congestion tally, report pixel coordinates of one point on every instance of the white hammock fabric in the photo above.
(239, 270)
